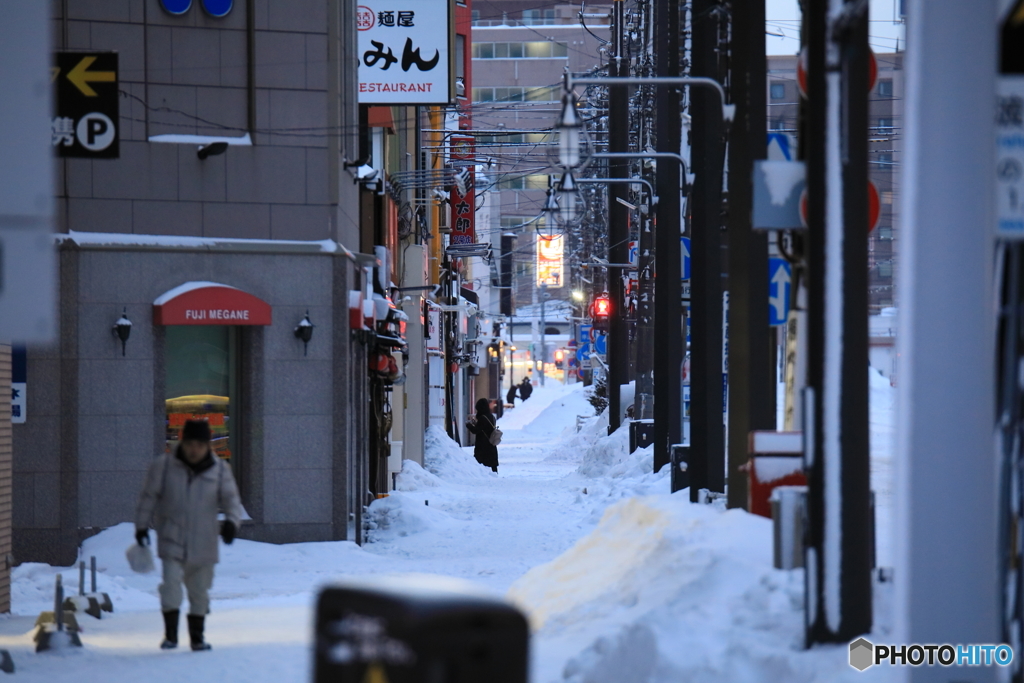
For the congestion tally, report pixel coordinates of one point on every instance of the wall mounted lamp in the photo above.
(123, 329)
(304, 332)
(212, 149)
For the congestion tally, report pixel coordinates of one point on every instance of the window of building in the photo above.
(885, 269)
(885, 88)
(778, 91)
(884, 159)
(533, 49)
(202, 383)
(517, 94)
(885, 124)
(885, 233)
(460, 56)
(538, 17)
(778, 123)
(531, 181)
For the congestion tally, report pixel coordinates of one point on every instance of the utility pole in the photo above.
(668, 399)
(839, 534)
(751, 352)
(544, 296)
(707, 428)
(618, 218)
(947, 422)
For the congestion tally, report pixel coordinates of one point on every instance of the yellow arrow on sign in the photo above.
(80, 77)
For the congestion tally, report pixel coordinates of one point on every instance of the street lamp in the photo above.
(563, 205)
(569, 129)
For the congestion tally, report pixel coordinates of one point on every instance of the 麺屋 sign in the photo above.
(405, 51)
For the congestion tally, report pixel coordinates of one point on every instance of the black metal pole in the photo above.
(707, 428)
(618, 230)
(668, 400)
(839, 536)
(751, 352)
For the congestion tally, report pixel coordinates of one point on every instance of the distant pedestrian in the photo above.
(525, 388)
(510, 397)
(183, 493)
(485, 452)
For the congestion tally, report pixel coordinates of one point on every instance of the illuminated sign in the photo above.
(550, 262)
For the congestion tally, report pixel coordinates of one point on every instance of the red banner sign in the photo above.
(463, 203)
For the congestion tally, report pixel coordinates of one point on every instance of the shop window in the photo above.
(201, 363)
(885, 88)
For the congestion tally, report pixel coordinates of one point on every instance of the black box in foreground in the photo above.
(417, 629)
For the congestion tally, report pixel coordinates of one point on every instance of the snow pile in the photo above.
(550, 412)
(574, 446)
(882, 430)
(400, 515)
(663, 591)
(415, 478)
(610, 456)
(444, 458)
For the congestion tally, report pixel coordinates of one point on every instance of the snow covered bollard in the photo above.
(106, 604)
(788, 510)
(55, 630)
(418, 628)
(82, 602)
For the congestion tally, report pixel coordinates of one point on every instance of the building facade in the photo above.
(216, 261)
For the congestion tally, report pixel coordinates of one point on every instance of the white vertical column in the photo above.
(946, 485)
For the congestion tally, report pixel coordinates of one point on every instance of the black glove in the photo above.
(227, 531)
(142, 536)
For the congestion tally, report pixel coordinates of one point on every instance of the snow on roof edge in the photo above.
(111, 238)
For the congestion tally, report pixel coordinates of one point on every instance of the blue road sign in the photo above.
(601, 345)
(780, 277)
(684, 243)
(584, 334)
(781, 147)
(583, 353)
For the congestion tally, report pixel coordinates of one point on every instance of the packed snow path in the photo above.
(657, 591)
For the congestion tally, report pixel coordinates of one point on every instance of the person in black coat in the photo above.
(525, 388)
(510, 397)
(484, 451)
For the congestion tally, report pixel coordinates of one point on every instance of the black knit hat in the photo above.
(196, 430)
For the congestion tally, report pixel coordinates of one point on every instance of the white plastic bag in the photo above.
(140, 558)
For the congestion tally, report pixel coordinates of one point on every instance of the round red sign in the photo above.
(365, 18)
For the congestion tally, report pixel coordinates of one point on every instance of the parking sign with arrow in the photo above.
(86, 97)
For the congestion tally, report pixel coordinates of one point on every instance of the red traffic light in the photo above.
(602, 306)
(559, 355)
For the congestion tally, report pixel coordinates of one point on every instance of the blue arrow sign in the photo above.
(583, 354)
(584, 334)
(601, 345)
(780, 276)
(684, 243)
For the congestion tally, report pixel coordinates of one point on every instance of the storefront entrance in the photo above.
(202, 366)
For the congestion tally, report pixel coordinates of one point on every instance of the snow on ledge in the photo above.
(125, 239)
(188, 287)
(180, 139)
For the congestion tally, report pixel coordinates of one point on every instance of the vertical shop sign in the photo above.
(19, 384)
(463, 194)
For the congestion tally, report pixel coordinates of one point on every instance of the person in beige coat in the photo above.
(184, 492)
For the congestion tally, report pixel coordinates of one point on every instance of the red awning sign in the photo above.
(209, 303)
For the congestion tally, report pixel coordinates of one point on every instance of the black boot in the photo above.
(195, 632)
(170, 630)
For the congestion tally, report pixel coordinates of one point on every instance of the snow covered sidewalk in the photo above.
(623, 582)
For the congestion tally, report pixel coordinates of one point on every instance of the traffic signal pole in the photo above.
(668, 400)
(751, 351)
(618, 228)
(946, 546)
(839, 534)
(707, 427)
